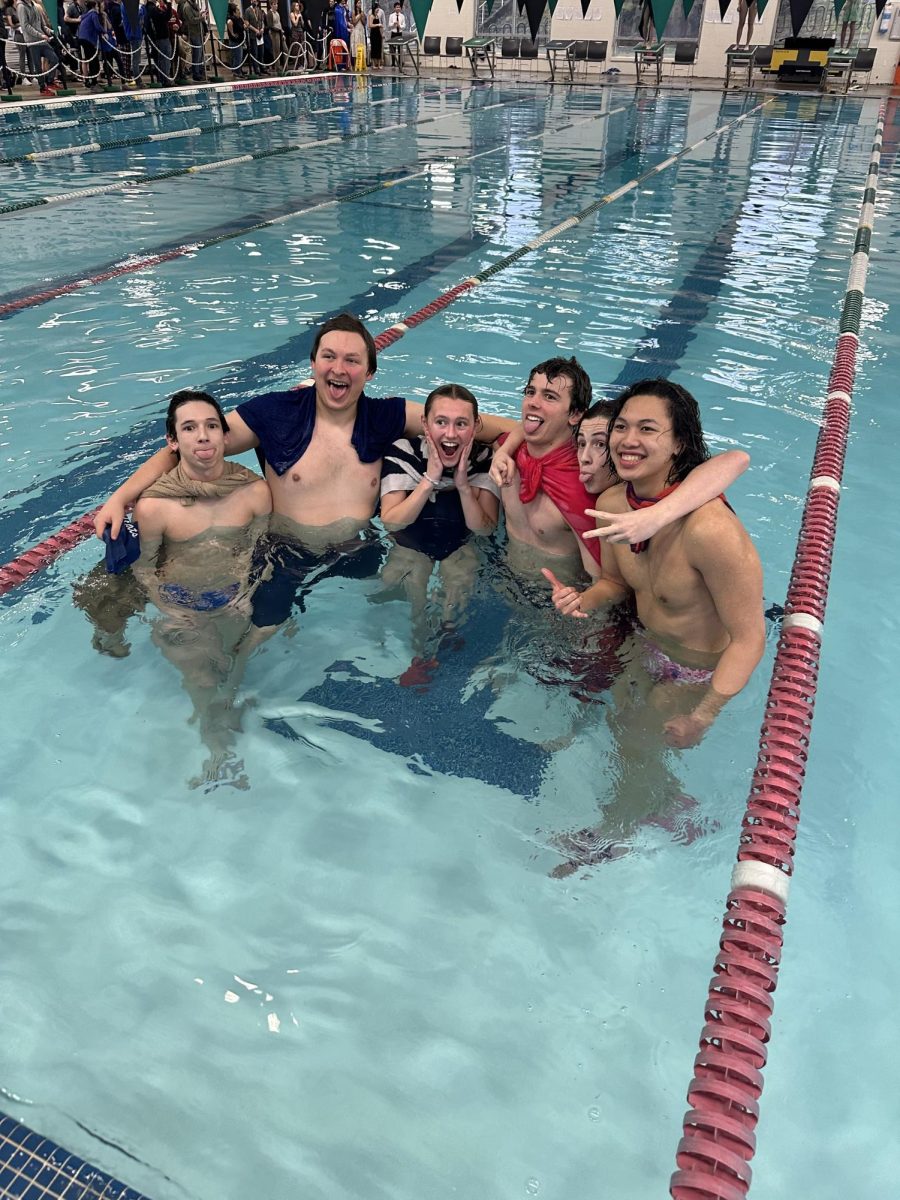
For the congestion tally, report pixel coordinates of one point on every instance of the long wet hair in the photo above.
(684, 413)
(185, 396)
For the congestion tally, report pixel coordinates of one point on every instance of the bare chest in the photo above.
(662, 575)
(190, 520)
(328, 482)
(539, 523)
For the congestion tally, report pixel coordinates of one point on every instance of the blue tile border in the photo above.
(33, 1167)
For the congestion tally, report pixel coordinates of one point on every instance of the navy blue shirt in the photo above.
(284, 423)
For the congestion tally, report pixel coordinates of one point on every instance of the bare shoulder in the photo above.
(713, 530)
(151, 509)
(612, 500)
(260, 497)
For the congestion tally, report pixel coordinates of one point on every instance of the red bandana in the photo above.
(635, 501)
(556, 474)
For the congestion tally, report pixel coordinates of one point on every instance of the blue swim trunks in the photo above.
(199, 601)
(287, 571)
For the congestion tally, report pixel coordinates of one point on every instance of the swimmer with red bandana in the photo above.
(697, 582)
(552, 469)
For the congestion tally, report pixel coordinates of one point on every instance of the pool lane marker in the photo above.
(31, 561)
(209, 96)
(178, 172)
(718, 1142)
(147, 262)
(143, 139)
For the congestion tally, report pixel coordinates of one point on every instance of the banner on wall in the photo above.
(219, 11)
(799, 13)
(534, 10)
(662, 10)
(420, 10)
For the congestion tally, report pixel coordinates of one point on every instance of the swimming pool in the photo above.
(356, 978)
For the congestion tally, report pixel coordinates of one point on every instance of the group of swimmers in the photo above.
(226, 551)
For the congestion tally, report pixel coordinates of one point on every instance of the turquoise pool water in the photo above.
(356, 978)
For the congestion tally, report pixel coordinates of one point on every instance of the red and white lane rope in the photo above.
(718, 1141)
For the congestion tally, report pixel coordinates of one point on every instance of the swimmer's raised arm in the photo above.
(704, 483)
(400, 508)
(112, 513)
(480, 506)
(240, 438)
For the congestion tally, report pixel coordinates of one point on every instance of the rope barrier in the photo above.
(718, 1139)
(25, 565)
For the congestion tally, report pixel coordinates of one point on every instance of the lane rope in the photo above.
(152, 260)
(31, 561)
(217, 164)
(718, 1141)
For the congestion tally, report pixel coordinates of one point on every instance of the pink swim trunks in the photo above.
(663, 669)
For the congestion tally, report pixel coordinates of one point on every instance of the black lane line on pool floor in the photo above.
(17, 301)
(102, 470)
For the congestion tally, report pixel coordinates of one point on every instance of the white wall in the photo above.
(599, 25)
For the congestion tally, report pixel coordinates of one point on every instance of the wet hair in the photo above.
(347, 323)
(452, 391)
(684, 413)
(600, 410)
(185, 396)
(571, 369)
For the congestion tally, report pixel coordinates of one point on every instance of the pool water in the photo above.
(358, 978)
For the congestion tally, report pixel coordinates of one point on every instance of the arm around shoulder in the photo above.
(112, 513)
(240, 436)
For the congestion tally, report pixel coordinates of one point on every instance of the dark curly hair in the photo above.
(684, 413)
(571, 369)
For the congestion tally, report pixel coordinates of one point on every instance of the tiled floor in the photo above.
(33, 1167)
